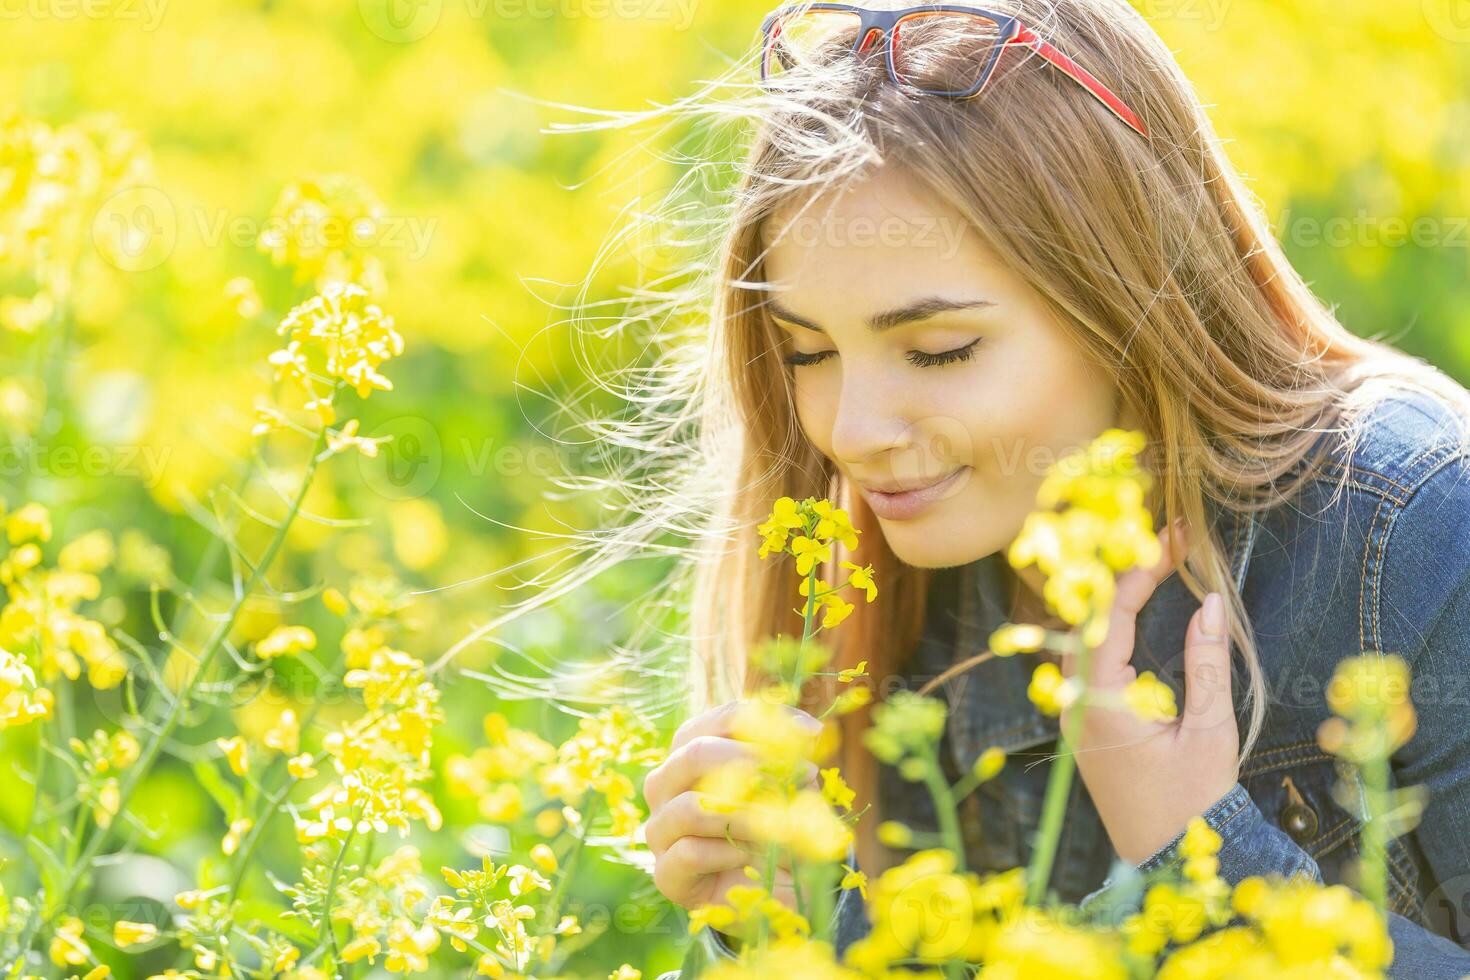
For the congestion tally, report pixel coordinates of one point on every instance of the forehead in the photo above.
(875, 238)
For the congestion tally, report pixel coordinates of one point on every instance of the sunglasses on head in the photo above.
(940, 49)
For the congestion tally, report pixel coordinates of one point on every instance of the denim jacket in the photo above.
(1385, 566)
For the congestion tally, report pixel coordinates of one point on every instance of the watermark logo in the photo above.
(136, 229)
(1450, 19)
(401, 21)
(409, 464)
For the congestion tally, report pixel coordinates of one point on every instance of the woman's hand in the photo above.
(1149, 778)
(694, 862)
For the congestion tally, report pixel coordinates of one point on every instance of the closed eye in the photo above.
(917, 358)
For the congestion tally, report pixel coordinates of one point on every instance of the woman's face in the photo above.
(929, 373)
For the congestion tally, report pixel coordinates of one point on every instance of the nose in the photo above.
(867, 423)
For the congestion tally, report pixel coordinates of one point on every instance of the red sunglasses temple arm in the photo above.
(1026, 38)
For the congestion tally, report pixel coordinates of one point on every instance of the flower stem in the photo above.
(328, 934)
(944, 808)
(1058, 787)
(140, 769)
(1373, 863)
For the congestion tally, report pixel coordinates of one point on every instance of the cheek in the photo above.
(816, 405)
(1038, 408)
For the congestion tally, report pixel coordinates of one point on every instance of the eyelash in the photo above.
(917, 358)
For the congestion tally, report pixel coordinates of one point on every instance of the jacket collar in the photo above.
(988, 703)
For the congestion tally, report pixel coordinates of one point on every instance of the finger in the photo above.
(1134, 589)
(683, 766)
(1207, 696)
(686, 816)
(720, 721)
(689, 859)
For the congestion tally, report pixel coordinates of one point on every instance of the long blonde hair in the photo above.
(1149, 249)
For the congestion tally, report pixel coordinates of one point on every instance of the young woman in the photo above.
(953, 255)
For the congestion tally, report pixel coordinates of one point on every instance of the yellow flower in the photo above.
(625, 972)
(68, 948)
(345, 438)
(285, 641)
(1017, 638)
(285, 958)
(835, 791)
(502, 804)
(409, 947)
(285, 735)
(849, 674)
(335, 601)
(1149, 698)
(836, 608)
(549, 822)
(31, 522)
(990, 762)
(1048, 690)
(544, 858)
(834, 524)
(785, 517)
(236, 833)
(125, 933)
(300, 767)
(809, 553)
(363, 947)
(235, 753)
(862, 578)
(523, 880)
(719, 917)
(349, 332)
(854, 879)
(851, 700)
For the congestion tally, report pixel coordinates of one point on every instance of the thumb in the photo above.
(1207, 701)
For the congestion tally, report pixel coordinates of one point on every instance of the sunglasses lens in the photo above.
(809, 39)
(944, 53)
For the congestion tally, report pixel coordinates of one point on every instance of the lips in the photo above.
(905, 504)
(896, 488)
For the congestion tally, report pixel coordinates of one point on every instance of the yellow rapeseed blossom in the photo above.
(68, 948)
(285, 641)
(1149, 698)
(342, 335)
(125, 933)
(1017, 638)
(989, 763)
(1049, 691)
(235, 753)
(835, 791)
(1090, 525)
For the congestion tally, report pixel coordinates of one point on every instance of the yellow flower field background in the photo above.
(282, 291)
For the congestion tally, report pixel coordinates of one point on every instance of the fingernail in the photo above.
(1212, 620)
(809, 723)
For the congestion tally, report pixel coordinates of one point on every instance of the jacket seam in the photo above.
(1392, 522)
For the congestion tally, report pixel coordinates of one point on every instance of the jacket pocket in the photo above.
(1293, 784)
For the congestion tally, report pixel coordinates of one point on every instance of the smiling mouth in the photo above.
(894, 491)
(900, 505)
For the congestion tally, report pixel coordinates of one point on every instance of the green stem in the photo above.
(944, 806)
(241, 859)
(1058, 787)
(328, 934)
(140, 769)
(569, 867)
(1373, 863)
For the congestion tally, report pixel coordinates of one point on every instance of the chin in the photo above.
(924, 544)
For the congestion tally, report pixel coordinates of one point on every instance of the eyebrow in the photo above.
(888, 319)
